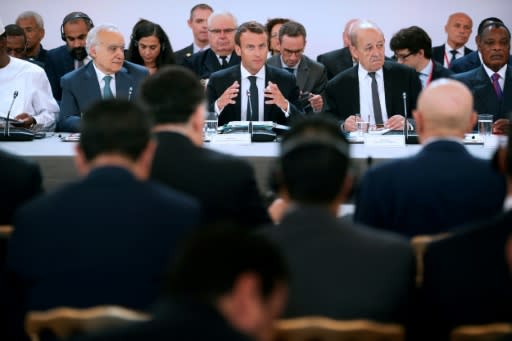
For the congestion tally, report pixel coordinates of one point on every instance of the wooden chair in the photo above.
(419, 244)
(5, 231)
(485, 332)
(326, 329)
(64, 321)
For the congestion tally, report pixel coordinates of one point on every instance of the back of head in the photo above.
(114, 127)
(413, 38)
(213, 259)
(172, 95)
(314, 161)
(446, 107)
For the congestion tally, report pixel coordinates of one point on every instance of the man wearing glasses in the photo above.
(108, 76)
(221, 54)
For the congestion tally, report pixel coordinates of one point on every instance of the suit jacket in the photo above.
(438, 53)
(205, 63)
(466, 279)
(221, 80)
(485, 100)
(105, 239)
(466, 63)
(184, 53)
(342, 91)
(335, 267)
(224, 185)
(41, 57)
(336, 61)
(439, 71)
(80, 89)
(430, 192)
(58, 62)
(22, 181)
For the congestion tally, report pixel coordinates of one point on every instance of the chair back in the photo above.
(419, 244)
(485, 332)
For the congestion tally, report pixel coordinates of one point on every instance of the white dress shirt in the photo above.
(244, 90)
(426, 73)
(101, 81)
(34, 93)
(365, 94)
(448, 55)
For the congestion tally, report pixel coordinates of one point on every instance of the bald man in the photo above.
(458, 28)
(443, 185)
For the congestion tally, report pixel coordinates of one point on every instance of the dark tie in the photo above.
(496, 85)
(377, 111)
(290, 70)
(107, 92)
(454, 54)
(224, 63)
(252, 102)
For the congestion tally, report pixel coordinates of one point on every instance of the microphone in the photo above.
(250, 111)
(258, 135)
(17, 134)
(409, 139)
(130, 91)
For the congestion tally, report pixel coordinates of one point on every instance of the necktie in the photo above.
(107, 92)
(454, 54)
(290, 70)
(252, 101)
(377, 111)
(496, 85)
(224, 63)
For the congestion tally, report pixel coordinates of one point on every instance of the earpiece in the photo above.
(73, 16)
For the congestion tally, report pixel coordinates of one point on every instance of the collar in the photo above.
(100, 74)
(363, 73)
(228, 57)
(427, 70)
(507, 205)
(196, 48)
(244, 73)
(439, 139)
(501, 71)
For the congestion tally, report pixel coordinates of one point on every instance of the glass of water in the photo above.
(484, 126)
(211, 122)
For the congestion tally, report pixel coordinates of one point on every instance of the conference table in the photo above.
(56, 157)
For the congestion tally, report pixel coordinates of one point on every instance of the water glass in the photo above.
(211, 122)
(484, 126)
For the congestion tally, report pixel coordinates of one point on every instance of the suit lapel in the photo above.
(302, 73)
(211, 62)
(123, 83)
(388, 87)
(356, 101)
(91, 83)
(237, 75)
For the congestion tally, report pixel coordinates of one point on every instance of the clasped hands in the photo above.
(272, 96)
(395, 122)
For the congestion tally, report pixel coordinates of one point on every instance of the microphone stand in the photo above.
(18, 134)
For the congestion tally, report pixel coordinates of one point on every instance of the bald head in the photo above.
(346, 32)
(445, 109)
(458, 28)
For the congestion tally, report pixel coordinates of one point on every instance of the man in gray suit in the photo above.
(311, 76)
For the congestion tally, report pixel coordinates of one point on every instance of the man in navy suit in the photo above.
(374, 88)
(491, 83)
(107, 76)
(71, 55)
(253, 91)
(458, 28)
(105, 239)
(434, 190)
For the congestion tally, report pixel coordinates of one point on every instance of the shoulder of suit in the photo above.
(57, 51)
(313, 64)
(332, 54)
(134, 68)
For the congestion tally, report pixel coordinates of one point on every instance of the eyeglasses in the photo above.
(399, 57)
(219, 31)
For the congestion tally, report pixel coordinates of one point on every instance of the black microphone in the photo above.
(258, 135)
(17, 134)
(409, 139)
(250, 111)
(130, 91)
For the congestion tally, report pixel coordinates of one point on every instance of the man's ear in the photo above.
(145, 160)
(238, 50)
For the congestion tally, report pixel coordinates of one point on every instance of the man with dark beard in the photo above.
(72, 55)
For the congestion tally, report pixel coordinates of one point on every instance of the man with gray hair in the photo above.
(221, 54)
(107, 76)
(33, 25)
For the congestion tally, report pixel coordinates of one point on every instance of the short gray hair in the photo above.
(31, 14)
(361, 25)
(221, 14)
(92, 36)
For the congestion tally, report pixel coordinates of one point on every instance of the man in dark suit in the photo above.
(458, 28)
(334, 264)
(392, 197)
(198, 23)
(311, 76)
(107, 76)
(253, 91)
(243, 297)
(71, 55)
(373, 88)
(221, 54)
(491, 82)
(225, 185)
(341, 59)
(105, 239)
(413, 47)
(33, 25)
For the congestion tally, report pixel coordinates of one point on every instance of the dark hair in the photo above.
(414, 39)
(114, 126)
(249, 26)
(145, 28)
(494, 25)
(485, 22)
(211, 261)
(270, 25)
(314, 160)
(200, 6)
(13, 30)
(172, 94)
(292, 29)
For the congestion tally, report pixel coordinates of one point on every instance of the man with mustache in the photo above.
(490, 82)
(72, 55)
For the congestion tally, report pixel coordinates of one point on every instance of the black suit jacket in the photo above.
(466, 63)
(224, 185)
(336, 61)
(58, 63)
(438, 53)
(205, 63)
(342, 91)
(439, 71)
(485, 101)
(221, 80)
(183, 54)
(343, 271)
(466, 279)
